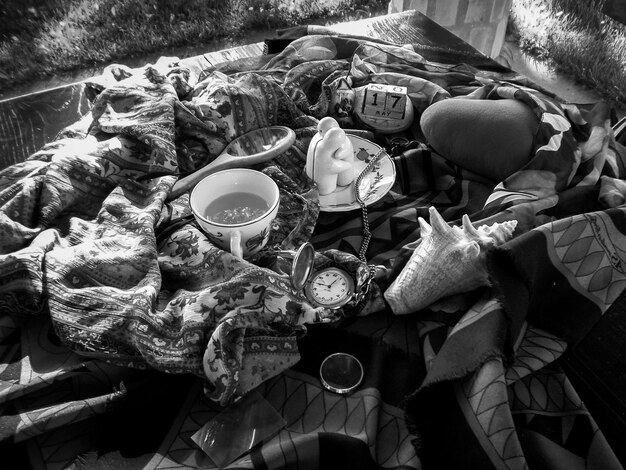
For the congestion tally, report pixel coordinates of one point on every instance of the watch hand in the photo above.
(320, 284)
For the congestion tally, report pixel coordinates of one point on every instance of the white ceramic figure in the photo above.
(448, 260)
(330, 157)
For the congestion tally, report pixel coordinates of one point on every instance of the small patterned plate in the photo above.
(374, 185)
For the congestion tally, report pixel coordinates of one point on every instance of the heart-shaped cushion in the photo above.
(493, 138)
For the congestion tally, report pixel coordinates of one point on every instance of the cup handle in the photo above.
(235, 243)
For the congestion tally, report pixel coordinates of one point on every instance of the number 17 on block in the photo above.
(385, 101)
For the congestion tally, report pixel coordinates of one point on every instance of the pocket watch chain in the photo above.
(367, 235)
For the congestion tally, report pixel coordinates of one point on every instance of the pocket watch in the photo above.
(330, 287)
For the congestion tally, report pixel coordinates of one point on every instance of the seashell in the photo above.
(449, 260)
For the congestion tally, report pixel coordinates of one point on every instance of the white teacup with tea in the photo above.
(235, 208)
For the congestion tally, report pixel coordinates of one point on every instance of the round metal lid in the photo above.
(341, 373)
(302, 265)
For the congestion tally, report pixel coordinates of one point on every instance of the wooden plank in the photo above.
(596, 368)
(429, 39)
(616, 9)
(211, 59)
(28, 122)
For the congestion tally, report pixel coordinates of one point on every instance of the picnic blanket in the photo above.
(114, 312)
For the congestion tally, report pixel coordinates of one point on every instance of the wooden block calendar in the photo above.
(386, 108)
(387, 101)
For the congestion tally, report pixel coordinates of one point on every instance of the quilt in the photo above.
(116, 313)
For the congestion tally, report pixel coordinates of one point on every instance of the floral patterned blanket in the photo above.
(102, 286)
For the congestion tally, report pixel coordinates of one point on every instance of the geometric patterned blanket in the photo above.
(105, 294)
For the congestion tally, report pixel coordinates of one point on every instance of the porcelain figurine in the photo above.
(448, 260)
(330, 157)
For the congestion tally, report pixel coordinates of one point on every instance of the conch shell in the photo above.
(448, 260)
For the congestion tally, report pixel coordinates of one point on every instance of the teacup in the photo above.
(235, 208)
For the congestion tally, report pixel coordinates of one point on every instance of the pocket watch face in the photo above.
(330, 287)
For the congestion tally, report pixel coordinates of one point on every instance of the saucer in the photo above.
(374, 185)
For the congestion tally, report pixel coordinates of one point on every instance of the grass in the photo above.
(41, 38)
(577, 39)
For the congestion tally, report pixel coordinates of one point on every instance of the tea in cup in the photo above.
(235, 208)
